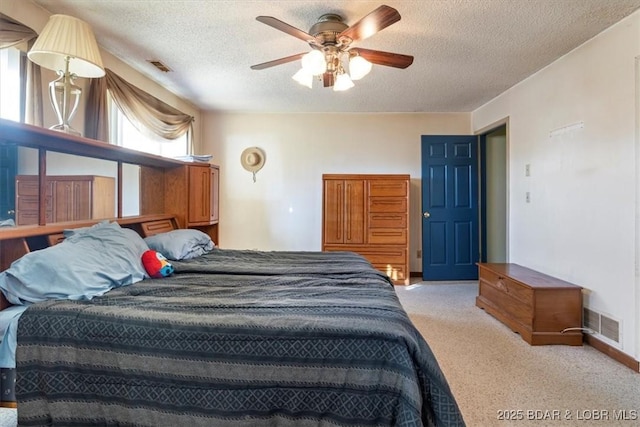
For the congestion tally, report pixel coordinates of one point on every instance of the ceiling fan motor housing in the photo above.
(327, 29)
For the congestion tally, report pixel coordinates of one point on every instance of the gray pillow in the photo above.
(88, 263)
(181, 244)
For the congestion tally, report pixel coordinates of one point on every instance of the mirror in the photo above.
(78, 188)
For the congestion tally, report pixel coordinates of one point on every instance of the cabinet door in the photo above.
(82, 196)
(354, 213)
(344, 208)
(333, 212)
(200, 202)
(72, 200)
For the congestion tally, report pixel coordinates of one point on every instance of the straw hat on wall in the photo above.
(252, 159)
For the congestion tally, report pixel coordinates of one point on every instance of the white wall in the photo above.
(580, 224)
(283, 209)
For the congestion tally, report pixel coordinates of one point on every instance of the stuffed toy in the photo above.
(156, 264)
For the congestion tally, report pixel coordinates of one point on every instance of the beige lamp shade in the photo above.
(68, 37)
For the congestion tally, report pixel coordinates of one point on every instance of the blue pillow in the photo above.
(88, 263)
(181, 244)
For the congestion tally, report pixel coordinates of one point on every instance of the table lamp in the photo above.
(67, 46)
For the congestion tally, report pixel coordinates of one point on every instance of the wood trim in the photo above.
(366, 176)
(612, 352)
(5, 404)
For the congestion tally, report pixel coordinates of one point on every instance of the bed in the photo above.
(232, 337)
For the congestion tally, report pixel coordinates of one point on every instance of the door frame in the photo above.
(482, 134)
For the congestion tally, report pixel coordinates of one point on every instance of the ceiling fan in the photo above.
(330, 39)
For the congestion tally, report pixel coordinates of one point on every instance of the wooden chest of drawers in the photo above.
(369, 214)
(67, 198)
(537, 306)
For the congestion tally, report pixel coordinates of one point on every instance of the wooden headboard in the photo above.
(18, 241)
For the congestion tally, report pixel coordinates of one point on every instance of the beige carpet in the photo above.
(500, 380)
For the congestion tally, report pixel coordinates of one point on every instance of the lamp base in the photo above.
(65, 96)
(66, 129)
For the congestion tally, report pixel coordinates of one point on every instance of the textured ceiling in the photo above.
(466, 51)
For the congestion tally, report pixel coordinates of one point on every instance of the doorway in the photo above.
(493, 196)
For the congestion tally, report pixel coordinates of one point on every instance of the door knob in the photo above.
(426, 214)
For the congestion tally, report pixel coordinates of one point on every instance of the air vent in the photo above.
(610, 328)
(159, 65)
(602, 325)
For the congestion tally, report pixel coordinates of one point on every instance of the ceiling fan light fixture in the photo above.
(304, 78)
(343, 82)
(314, 63)
(330, 39)
(359, 67)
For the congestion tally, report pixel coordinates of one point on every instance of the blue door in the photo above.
(450, 232)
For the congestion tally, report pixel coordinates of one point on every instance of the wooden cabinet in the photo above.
(369, 214)
(541, 308)
(191, 193)
(203, 197)
(67, 198)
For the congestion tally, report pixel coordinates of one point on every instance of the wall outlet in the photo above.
(418, 253)
(527, 170)
(528, 197)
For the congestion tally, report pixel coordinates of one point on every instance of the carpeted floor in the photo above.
(500, 380)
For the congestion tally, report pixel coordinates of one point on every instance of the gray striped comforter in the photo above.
(235, 338)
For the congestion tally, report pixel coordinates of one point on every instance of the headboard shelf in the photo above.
(41, 138)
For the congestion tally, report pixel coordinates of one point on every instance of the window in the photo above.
(125, 134)
(10, 84)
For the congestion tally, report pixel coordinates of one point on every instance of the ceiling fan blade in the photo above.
(284, 27)
(277, 61)
(328, 79)
(375, 21)
(389, 59)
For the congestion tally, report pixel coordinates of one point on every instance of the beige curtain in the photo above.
(147, 112)
(13, 33)
(96, 116)
(33, 91)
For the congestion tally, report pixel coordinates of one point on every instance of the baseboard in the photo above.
(415, 274)
(612, 352)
